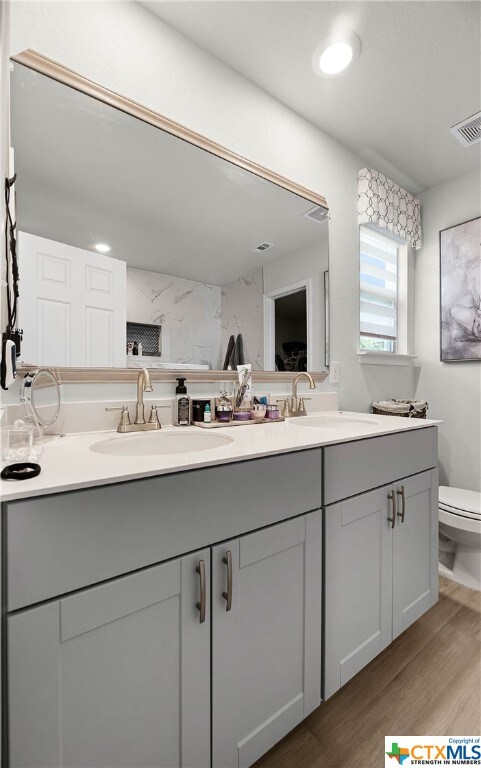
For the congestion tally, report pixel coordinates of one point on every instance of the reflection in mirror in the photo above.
(133, 240)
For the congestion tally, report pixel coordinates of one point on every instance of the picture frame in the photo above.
(460, 292)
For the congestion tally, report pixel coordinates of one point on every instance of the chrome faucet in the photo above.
(125, 425)
(296, 406)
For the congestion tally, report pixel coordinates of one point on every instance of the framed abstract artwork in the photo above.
(460, 264)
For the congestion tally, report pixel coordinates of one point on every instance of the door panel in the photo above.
(115, 676)
(266, 649)
(73, 305)
(415, 544)
(358, 574)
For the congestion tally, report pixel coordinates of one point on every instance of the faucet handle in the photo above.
(301, 408)
(124, 416)
(154, 416)
(285, 407)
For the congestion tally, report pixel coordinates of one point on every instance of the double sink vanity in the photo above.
(185, 597)
(178, 596)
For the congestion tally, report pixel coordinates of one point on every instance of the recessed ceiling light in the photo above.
(102, 247)
(335, 53)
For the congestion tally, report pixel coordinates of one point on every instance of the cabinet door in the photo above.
(358, 581)
(266, 653)
(115, 676)
(415, 543)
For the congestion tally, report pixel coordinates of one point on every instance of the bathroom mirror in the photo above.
(40, 396)
(197, 245)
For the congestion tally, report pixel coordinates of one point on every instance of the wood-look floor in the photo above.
(428, 682)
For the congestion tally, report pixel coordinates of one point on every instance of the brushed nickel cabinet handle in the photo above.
(201, 606)
(228, 595)
(392, 520)
(402, 513)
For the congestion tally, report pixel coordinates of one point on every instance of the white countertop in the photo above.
(68, 464)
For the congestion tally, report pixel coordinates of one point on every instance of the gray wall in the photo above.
(453, 390)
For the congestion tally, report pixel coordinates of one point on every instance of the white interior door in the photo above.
(72, 305)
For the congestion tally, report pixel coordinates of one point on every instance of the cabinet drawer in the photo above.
(60, 543)
(352, 468)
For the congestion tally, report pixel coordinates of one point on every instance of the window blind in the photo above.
(378, 269)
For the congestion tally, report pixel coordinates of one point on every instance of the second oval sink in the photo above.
(333, 422)
(159, 443)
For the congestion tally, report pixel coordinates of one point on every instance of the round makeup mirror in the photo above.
(40, 395)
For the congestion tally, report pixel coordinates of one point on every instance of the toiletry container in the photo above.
(272, 411)
(198, 408)
(182, 404)
(223, 412)
(207, 414)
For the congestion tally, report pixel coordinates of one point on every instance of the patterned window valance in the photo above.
(387, 205)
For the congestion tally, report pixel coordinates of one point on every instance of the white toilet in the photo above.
(460, 536)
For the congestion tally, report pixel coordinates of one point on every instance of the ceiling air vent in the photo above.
(468, 131)
(318, 214)
(262, 247)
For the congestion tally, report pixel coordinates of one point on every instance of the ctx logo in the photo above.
(469, 751)
(431, 752)
(398, 753)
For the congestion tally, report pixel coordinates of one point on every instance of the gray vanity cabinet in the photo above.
(379, 578)
(266, 637)
(415, 549)
(115, 675)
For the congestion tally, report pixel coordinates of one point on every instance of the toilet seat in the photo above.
(460, 512)
(458, 501)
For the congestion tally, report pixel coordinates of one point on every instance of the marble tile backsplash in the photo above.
(243, 312)
(188, 311)
(197, 319)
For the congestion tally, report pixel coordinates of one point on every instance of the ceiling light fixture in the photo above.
(102, 247)
(335, 53)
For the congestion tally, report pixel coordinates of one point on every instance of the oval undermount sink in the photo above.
(159, 443)
(333, 422)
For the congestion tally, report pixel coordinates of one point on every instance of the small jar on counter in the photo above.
(272, 411)
(223, 412)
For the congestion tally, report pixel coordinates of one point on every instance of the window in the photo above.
(378, 291)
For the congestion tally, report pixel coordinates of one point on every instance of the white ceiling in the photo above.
(418, 73)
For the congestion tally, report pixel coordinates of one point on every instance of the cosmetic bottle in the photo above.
(182, 404)
(207, 414)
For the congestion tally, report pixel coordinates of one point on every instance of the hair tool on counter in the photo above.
(12, 336)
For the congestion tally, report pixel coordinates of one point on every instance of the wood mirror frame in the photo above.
(52, 69)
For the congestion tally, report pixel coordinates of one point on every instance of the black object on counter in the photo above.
(21, 471)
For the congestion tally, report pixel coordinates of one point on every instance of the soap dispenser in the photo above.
(182, 404)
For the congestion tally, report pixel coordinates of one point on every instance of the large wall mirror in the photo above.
(132, 238)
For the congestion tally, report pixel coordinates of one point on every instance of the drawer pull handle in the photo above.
(201, 606)
(392, 520)
(228, 595)
(402, 513)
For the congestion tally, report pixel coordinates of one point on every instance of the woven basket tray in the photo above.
(414, 410)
